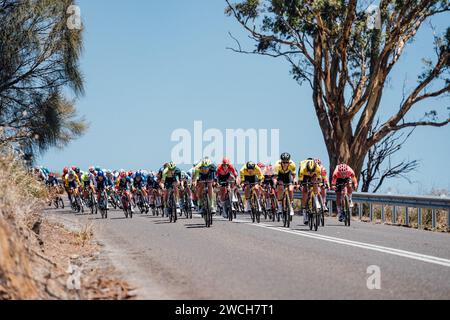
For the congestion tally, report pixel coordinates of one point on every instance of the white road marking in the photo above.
(363, 245)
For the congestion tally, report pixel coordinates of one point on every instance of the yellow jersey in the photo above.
(279, 168)
(244, 172)
(303, 172)
(67, 181)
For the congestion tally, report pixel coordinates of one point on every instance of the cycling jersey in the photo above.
(123, 184)
(204, 174)
(280, 171)
(221, 171)
(171, 175)
(350, 174)
(304, 173)
(72, 183)
(285, 175)
(246, 176)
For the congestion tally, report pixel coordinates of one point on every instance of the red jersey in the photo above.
(221, 171)
(349, 174)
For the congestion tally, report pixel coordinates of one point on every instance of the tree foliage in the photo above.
(38, 62)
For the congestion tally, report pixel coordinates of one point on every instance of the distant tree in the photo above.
(379, 166)
(39, 56)
(346, 57)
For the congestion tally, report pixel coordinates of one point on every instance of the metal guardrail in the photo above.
(395, 201)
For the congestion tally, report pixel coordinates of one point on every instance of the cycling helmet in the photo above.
(318, 162)
(51, 175)
(138, 175)
(261, 165)
(97, 168)
(171, 166)
(65, 170)
(251, 165)
(91, 169)
(123, 174)
(311, 166)
(101, 174)
(183, 175)
(77, 170)
(130, 173)
(74, 168)
(226, 161)
(206, 162)
(285, 157)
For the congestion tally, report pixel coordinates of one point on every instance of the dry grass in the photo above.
(85, 235)
(21, 199)
(413, 213)
(34, 253)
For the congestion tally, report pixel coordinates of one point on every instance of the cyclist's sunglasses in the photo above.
(284, 162)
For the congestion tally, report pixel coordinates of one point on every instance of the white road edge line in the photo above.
(363, 245)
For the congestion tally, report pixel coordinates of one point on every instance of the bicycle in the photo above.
(186, 202)
(92, 201)
(142, 202)
(286, 207)
(103, 204)
(270, 203)
(126, 204)
(171, 205)
(345, 202)
(206, 206)
(77, 202)
(314, 209)
(255, 203)
(228, 207)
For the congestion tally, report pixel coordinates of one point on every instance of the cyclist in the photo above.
(342, 175)
(269, 175)
(72, 183)
(250, 173)
(205, 172)
(284, 174)
(326, 184)
(102, 183)
(226, 173)
(123, 185)
(309, 172)
(170, 180)
(152, 189)
(52, 181)
(186, 182)
(63, 178)
(138, 184)
(87, 183)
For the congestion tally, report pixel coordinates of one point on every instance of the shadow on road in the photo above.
(120, 218)
(195, 225)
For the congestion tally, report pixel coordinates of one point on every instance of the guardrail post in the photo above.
(360, 205)
(371, 212)
(382, 213)
(406, 216)
(419, 218)
(330, 208)
(433, 218)
(394, 215)
(448, 220)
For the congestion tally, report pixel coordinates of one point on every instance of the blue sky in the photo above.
(152, 67)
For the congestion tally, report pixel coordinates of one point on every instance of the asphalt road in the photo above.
(241, 260)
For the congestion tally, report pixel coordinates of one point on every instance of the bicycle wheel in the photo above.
(347, 211)
(286, 210)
